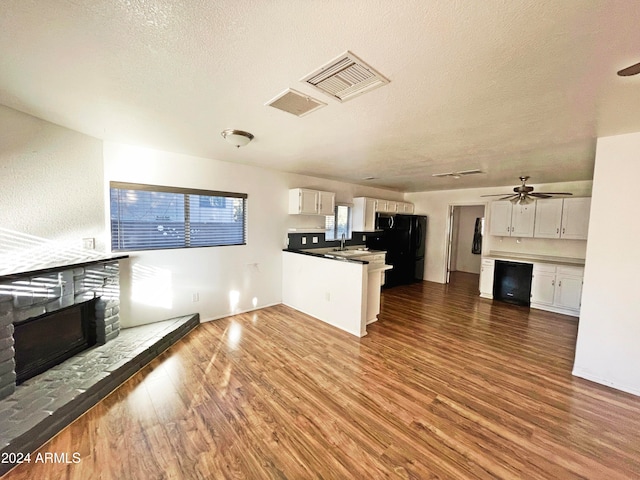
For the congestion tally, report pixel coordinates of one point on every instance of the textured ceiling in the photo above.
(510, 87)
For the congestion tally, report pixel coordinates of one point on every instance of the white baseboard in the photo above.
(357, 334)
(551, 308)
(231, 314)
(578, 372)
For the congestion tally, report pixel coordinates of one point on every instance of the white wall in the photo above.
(608, 347)
(436, 206)
(332, 291)
(465, 218)
(51, 180)
(162, 283)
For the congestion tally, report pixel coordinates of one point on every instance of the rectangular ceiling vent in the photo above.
(462, 173)
(345, 77)
(292, 101)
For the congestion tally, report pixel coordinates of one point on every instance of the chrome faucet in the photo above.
(342, 240)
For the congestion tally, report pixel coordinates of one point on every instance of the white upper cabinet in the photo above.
(364, 214)
(326, 203)
(548, 218)
(381, 206)
(508, 220)
(407, 208)
(522, 220)
(365, 208)
(303, 201)
(562, 218)
(392, 207)
(500, 219)
(575, 218)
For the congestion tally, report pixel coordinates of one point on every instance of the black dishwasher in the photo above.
(512, 282)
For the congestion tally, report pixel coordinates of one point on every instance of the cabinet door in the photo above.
(364, 214)
(408, 208)
(326, 203)
(500, 218)
(548, 218)
(381, 206)
(568, 291)
(522, 220)
(392, 207)
(370, 214)
(308, 202)
(575, 218)
(543, 287)
(486, 278)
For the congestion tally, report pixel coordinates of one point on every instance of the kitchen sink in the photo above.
(347, 253)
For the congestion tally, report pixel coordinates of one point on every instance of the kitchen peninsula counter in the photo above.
(342, 292)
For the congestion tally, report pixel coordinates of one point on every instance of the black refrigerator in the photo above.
(403, 238)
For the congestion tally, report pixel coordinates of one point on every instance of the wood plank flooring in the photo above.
(445, 385)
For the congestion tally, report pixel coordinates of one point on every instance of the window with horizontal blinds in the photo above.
(338, 224)
(151, 217)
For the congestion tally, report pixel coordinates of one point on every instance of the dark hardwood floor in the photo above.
(445, 385)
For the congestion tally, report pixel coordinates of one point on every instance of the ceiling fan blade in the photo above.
(508, 197)
(497, 195)
(632, 70)
(539, 195)
(553, 193)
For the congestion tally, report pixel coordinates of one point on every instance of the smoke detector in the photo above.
(345, 77)
(296, 103)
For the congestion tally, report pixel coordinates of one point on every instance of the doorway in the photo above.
(464, 240)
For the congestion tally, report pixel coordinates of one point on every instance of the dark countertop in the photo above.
(325, 255)
(58, 266)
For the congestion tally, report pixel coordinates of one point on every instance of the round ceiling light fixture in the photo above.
(237, 138)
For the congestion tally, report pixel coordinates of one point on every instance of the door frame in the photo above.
(449, 231)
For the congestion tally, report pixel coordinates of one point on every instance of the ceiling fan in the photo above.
(524, 195)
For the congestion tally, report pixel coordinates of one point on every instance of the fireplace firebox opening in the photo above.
(45, 341)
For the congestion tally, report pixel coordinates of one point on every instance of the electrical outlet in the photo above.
(89, 243)
(195, 297)
(304, 240)
(314, 239)
(327, 296)
(364, 238)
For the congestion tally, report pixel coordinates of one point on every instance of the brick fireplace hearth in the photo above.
(29, 295)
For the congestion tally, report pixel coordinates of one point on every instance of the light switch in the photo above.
(304, 240)
(314, 239)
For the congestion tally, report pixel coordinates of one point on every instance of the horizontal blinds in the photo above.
(146, 219)
(216, 220)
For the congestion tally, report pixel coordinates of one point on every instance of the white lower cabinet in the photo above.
(557, 288)
(487, 269)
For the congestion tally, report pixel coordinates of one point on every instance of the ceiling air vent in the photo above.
(292, 101)
(457, 174)
(345, 77)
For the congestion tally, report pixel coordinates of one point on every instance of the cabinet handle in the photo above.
(553, 282)
(560, 283)
(563, 231)
(557, 230)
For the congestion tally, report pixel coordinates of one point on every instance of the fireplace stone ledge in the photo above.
(44, 405)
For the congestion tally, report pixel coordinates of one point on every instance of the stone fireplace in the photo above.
(51, 314)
